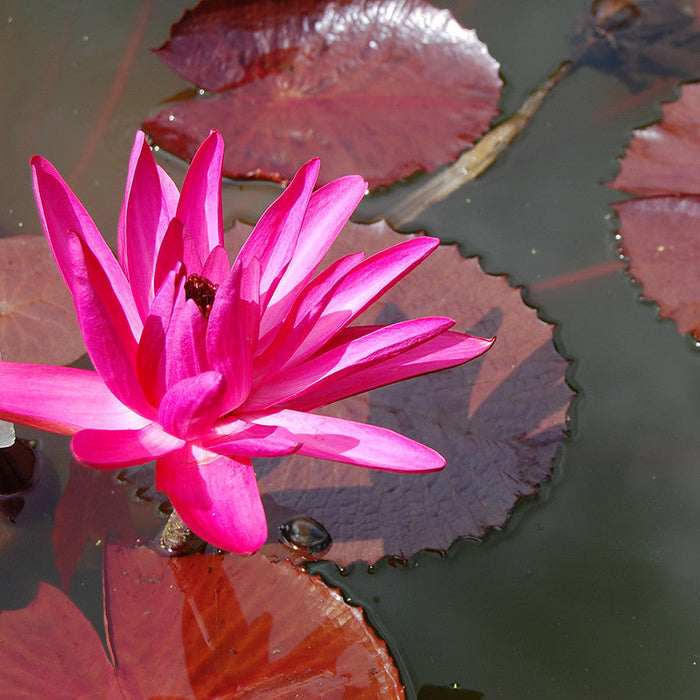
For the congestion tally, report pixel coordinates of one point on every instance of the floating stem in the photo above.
(178, 539)
(477, 159)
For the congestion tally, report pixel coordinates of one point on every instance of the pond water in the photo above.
(591, 589)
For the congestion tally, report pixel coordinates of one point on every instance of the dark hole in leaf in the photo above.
(17, 465)
(12, 507)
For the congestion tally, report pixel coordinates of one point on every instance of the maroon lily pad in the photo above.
(660, 231)
(664, 159)
(196, 627)
(382, 88)
(37, 317)
(498, 420)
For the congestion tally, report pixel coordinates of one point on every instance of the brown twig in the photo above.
(477, 159)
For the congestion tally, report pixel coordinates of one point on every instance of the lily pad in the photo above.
(381, 88)
(200, 626)
(498, 420)
(660, 231)
(637, 41)
(37, 317)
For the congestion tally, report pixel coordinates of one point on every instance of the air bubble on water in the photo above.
(305, 535)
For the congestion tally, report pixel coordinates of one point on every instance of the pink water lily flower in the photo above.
(202, 365)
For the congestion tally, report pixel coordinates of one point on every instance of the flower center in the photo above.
(202, 291)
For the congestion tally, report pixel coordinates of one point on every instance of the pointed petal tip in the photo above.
(139, 138)
(214, 140)
(310, 168)
(485, 343)
(42, 167)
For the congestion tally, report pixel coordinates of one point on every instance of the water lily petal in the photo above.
(324, 369)
(200, 206)
(190, 407)
(169, 190)
(106, 332)
(143, 221)
(360, 288)
(274, 238)
(62, 214)
(216, 267)
(116, 449)
(275, 347)
(328, 210)
(342, 440)
(176, 247)
(232, 331)
(237, 438)
(151, 353)
(61, 399)
(448, 349)
(216, 496)
(184, 342)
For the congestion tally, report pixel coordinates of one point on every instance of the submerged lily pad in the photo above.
(200, 626)
(660, 231)
(498, 420)
(637, 41)
(37, 317)
(382, 88)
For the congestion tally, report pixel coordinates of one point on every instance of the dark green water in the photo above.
(591, 590)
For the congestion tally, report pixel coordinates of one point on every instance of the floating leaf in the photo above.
(498, 420)
(382, 88)
(637, 41)
(37, 318)
(200, 626)
(661, 230)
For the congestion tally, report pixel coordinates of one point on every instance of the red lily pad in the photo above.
(660, 231)
(37, 317)
(382, 88)
(200, 626)
(498, 420)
